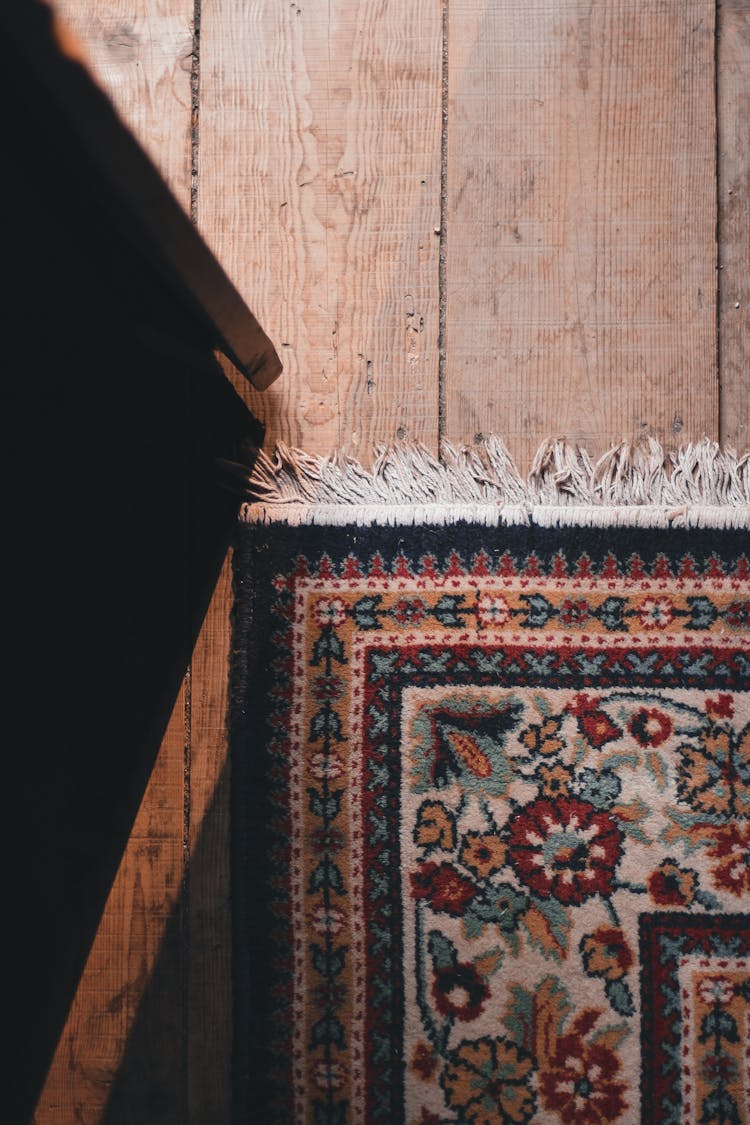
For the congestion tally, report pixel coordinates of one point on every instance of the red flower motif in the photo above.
(580, 1083)
(325, 765)
(650, 727)
(428, 1117)
(594, 723)
(327, 689)
(732, 850)
(424, 1061)
(329, 1074)
(671, 885)
(459, 991)
(656, 613)
(327, 919)
(326, 838)
(409, 611)
(329, 611)
(565, 848)
(720, 708)
(606, 953)
(492, 609)
(445, 888)
(737, 615)
(716, 990)
(574, 613)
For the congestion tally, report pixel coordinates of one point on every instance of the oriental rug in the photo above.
(491, 820)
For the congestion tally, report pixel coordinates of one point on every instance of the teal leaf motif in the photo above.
(642, 666)
(591, 665)
(540, 665)
(450, 610)
(697, 667)
(326, 807)
(538, 611)
(703, 613)
(559, 921)
(326, 875)
(383, 663)
(328, 646)
(610, 613)
(366, 613)
(710, 901)
(719, 1108)
(441, 950)
(325, 722)
(325, 1114)
(619, 996)
(328, 1030)
(719, 1024)
(328, 964)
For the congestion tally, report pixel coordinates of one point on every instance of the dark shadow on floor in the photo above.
(185, 1014)
(115, 520)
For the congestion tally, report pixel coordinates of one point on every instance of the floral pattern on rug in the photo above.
(492, 777)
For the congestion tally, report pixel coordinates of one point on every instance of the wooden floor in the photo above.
(453, 217)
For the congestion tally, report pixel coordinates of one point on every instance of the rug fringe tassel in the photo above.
(699, 485)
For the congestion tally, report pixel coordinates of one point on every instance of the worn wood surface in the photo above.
(209, 985)
(581, 221)
(733, 116)
(141, 54)
(321, 123)
(130, 941)
(562, 159)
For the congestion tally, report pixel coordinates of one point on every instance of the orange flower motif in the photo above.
(671, 885)
(555, 781)
(435, 827)
(606, 953)
(444, 887)
(424, 1062)
(484, 853)
(487, 1082)
(543, 738)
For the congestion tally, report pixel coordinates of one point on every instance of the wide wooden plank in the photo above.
(319, 191)
(209, 981)
(134, 935)
(141, 54)
(581, 219)
(733, 89)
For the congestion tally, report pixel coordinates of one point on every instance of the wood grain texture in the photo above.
(733, 88)
(581, 215)
(127, 947)
(319, 191)
(209, 982)
(141, 53)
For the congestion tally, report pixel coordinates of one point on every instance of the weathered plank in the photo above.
(209, 981)
(733, 89)
(581, 216)
(319, 192)
(128, 944)
(141, 54)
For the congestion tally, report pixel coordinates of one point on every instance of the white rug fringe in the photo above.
(631, 485)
